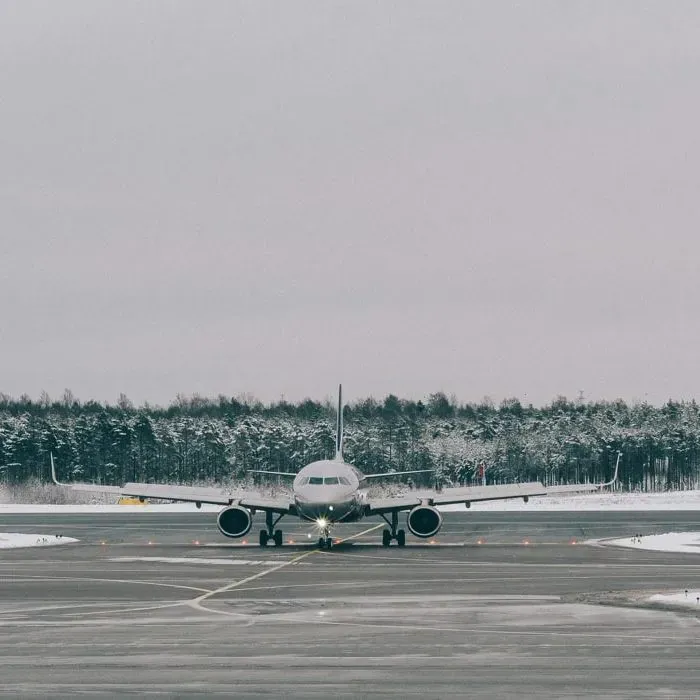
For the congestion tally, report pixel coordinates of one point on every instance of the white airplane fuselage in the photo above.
(330, 490)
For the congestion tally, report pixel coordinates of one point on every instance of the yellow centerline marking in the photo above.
(198, 603)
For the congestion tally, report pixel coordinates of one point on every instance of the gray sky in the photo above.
(484, 198)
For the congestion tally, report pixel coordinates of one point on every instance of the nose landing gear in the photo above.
(325, 541)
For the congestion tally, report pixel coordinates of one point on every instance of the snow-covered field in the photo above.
(673, 500)
(13, 540)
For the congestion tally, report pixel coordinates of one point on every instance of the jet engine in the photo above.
(234, 521)
(424, 521)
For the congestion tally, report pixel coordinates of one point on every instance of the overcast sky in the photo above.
(483, 198)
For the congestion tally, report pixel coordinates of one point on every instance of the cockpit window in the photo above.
(344, 480)
(303, 480)
(316, 480)
(330, 480)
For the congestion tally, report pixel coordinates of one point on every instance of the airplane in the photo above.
(331, 491)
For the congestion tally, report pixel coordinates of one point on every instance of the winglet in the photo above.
(614, 479)
(339, 426)
(53, 472)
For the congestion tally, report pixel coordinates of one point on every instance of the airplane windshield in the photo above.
(330, 480)
(316, 480)
(344, 480)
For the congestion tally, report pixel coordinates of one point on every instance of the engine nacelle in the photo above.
(234, 521)
(424, 521)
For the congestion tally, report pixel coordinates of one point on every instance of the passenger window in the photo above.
(316, 480)
(330, 480)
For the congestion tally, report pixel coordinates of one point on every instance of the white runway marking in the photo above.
(197, 560)
(197, 603)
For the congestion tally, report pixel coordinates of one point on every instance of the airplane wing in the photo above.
(190, 494)
(386, 474)
(469, 494)
(474, 494)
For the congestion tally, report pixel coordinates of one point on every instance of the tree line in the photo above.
(203, 440)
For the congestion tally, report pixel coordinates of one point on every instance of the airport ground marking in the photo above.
(197, 603)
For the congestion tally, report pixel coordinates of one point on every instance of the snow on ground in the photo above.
(689, 598)
(103, 508)
(684, 542)
(672, 500)
(13, 540)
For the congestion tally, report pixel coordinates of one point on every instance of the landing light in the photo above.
(322, 523)
(330, 508)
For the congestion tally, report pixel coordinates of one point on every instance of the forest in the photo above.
(198, 440)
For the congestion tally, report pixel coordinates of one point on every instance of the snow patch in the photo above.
(670, 500)
(687, 598)
(14, 540)
(683, 542)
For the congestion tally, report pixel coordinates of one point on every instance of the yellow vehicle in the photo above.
(132, 501)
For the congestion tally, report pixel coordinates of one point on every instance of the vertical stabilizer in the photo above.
(339, 426)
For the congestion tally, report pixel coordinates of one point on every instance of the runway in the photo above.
(500, 605)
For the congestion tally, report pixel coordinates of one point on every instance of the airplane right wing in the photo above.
(188, 494)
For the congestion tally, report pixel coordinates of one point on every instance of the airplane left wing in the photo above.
(474, 494)
(469, 494)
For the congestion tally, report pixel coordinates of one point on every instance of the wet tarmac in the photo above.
(497, 605)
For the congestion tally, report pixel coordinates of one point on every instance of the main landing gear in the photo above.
(271, 533)
(393, 534)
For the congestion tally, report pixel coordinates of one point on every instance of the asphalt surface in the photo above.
(500, 605)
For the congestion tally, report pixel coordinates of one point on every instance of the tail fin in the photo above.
(339, 426)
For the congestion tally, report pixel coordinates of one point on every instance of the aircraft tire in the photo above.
(321, 543)
(329, 542)
(278, 538)
(386, 538)
(401, 538)
(263, 538)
